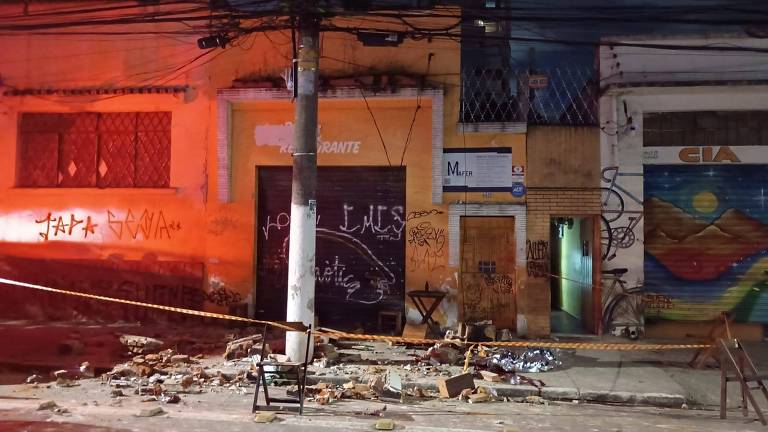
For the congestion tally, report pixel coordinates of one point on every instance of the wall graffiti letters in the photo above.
(500, 283)
(151, 225)
(422, 213)
(66, 227)
(658, 301)
(537, 258)
(384, 222)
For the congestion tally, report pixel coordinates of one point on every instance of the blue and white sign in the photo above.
(518, 190)
(486, 169)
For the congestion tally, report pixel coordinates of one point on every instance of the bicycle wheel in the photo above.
(623, 310)
(612, 203)
(606, 237)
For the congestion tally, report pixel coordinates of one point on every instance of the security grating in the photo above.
(557, 96)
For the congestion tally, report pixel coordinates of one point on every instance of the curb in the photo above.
(660, 400)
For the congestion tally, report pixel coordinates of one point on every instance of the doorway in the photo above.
(488, 284)
(572, 252)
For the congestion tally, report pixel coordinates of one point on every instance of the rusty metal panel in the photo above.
(360, 263)
(117, 150)
(77, 150)
(38, 155)
(153, 149)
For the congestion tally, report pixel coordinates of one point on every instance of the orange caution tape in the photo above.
(343, 335)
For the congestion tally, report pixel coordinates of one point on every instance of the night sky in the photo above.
(744, 187)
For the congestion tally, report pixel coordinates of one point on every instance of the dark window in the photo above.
(705, 128)
(105, 150)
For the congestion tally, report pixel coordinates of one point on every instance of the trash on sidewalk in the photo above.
(532, 360)
(34, 379)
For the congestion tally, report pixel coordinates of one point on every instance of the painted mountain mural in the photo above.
(695, 250)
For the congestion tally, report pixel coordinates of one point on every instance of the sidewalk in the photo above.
(654, 378)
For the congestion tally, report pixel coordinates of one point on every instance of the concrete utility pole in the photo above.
(301, 258)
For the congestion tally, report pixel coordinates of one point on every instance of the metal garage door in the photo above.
(360, 243)
(706, 241)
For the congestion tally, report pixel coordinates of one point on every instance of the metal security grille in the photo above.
(360, 258)
(558, 96)
(105, 150)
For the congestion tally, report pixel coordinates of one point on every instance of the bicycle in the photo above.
(623, 312)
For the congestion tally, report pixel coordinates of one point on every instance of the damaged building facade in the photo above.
(134, 171)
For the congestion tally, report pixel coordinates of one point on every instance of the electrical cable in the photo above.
(375, 123)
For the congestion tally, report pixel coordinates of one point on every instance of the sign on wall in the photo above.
(705, 155)
(487, 169)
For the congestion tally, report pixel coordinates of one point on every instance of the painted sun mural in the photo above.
(706, 241)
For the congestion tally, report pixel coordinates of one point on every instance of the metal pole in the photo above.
(301, 258)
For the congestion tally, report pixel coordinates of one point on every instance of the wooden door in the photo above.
(488, 284)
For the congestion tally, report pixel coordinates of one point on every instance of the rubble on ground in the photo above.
(141, 344)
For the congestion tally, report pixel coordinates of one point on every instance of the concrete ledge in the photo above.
(661, 400)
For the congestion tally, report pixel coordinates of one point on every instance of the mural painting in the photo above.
(706, 241)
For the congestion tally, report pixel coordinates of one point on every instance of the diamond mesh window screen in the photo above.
(105, 150)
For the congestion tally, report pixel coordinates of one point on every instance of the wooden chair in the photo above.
(294, 371)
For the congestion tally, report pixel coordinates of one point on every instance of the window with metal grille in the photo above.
(104, 150)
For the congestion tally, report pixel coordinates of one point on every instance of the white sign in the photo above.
(705, 155)
(282, 135)
(479, 169)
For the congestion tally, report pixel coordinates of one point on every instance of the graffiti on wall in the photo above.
(148, 225)
(426, 245)
(706, 241)
(361, 242)
(537, 258)
(170, 283)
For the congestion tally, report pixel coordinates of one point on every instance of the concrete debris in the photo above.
(443, 354)
(86, 370)
(536, 400)
(117, 393)
(47, 406)
(376, 412)
(141, 344)
(490, 376)
(265, 417)
(152, 412)
(465, 394)
(243, 347)
(453, 386)
(169, 398)
(34, 379)
(385, 424)
(478, 398)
